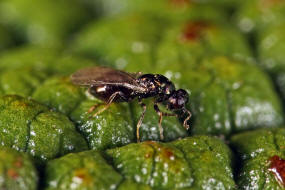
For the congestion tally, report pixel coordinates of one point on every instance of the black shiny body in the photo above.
(156, 85)
(104, 92)
(112, 85)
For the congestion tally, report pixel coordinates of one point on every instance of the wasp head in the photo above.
(177, 100)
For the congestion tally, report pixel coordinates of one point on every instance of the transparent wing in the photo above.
(103, 76)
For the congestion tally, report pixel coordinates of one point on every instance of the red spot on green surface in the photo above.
(83, 174)
(168, 153)
(273, 1)
(177, 170)
(12, 174)
(265, 4)
(277, 167)
(194, 30)
(150, 142)
(179, 2)
(147, 155)
(18, 163)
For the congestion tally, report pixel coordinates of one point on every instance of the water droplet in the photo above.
(121, 63)
(144, 171)
(246, 24)
(137, 178)
(138, 47)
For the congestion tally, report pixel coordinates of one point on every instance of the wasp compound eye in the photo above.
(182, 96)
(178, 99)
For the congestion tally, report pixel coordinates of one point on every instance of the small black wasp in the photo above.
(112, 85)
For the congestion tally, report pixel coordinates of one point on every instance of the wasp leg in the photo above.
(186, 126)
(91, 109)
(109, 102)
(137, 74)
(140, 120)
(161, 114)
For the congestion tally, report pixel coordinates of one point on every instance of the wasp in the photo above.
(111, 85)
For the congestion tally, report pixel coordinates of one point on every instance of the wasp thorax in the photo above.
(177, 99)
(167, 88)
(164, 85)
(148, 81)
(157, 84)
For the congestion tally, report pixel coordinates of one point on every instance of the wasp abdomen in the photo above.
(104, 92)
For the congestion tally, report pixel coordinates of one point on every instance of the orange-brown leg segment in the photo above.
(140, 120)
(186, 126)
(94, 107)
(107, 105)
(161, 114)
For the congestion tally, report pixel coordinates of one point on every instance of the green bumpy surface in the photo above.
(17, 170)
(256, 149)
(172, 128)
(257, 15)
(270, 51)
(84, 170)
(59, 94)
(44, 22)
(6, 39)
(240, 106)
(199, 162)
(24, 70)
(145, 48)
(136, 43)
(28, 126)
(20, 81)
(111, 128)
(170, 11)
(40, 60)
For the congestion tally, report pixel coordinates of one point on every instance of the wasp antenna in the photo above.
(186, 126)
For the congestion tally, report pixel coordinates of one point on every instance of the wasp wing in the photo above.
(105, 76)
